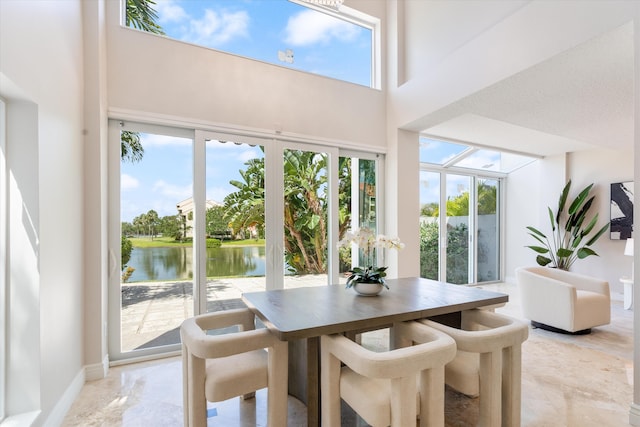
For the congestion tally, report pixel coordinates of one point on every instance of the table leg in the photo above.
(304, 376)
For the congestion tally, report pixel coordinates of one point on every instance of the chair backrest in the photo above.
(526, 275)
(380, 385)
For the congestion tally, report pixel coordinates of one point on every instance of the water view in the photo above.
(176, 263)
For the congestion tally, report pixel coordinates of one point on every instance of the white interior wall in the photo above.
(603, 167)
(41, 68)
(532, 189)
(522, 194)
(95, 178)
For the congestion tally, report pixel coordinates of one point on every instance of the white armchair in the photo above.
(387, 388)
(219, 367)
(563, 301)
(488, 363)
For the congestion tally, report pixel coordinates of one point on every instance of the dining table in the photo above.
(301, 315)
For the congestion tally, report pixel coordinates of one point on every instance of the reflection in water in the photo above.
(177, 263)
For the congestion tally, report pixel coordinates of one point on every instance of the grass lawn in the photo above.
(166, 242)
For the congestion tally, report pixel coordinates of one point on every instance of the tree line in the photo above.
(151, 225)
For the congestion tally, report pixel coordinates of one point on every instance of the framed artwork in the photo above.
(621, 227)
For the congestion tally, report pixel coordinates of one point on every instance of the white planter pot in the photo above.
(368, 289)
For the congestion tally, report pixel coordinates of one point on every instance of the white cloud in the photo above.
(216, 28)
(309, 27)
(127, 182)
(169, 11)
(173, 192)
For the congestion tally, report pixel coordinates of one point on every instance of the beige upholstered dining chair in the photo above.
(219, 367)
(389, 387)
(488, 363)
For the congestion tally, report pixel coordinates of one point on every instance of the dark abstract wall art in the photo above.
(621, 210)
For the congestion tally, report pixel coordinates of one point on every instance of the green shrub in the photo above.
(125, 251)
(213, 243)
(429, 250)
(457, 252)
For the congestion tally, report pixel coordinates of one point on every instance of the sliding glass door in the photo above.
(151, 242)
(470, 229)
(488, 230)
(307, 233)
(200, 217)
(232, 252)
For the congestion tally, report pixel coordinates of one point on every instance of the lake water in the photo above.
(177, 263)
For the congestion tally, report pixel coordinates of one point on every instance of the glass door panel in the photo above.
(458, 224)
(306, 222)
(358, 208)
(234, 227)
(156, 201)
(429, 224)
(488, 231)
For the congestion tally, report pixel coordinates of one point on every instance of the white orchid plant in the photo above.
(366, 240)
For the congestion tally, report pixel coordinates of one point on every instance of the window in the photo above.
(466, 181)
(470, 228)
(334, 42)
(461, 155)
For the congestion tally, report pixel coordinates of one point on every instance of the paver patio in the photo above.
(153, 311)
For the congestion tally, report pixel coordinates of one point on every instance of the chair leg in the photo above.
(185, 385)
(403, 398)
(511, 386)
(432, 397)
(278, 384)
(490, 389)
(330, 390)
(196, 402)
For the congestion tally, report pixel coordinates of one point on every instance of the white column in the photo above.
(634, 411)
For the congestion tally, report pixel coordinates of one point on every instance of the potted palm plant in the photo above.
(572, 232)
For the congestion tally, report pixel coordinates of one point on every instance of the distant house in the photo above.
(185, 210)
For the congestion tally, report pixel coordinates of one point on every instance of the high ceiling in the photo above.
(580, 99)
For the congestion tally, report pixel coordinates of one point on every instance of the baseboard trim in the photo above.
(97, 371)
(634, 414)
(56, 417)
(20, 420)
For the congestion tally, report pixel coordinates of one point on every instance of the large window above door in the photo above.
(304, 35)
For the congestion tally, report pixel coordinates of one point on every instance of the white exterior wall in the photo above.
(41, 78)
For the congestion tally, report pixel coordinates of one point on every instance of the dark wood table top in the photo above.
(314, 311)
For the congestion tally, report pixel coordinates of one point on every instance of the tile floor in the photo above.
(574, 381)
